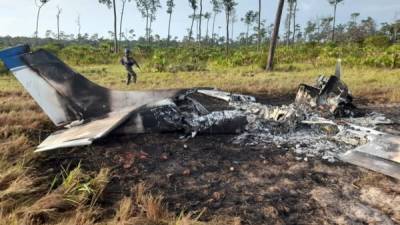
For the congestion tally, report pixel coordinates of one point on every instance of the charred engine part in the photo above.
(331, 96)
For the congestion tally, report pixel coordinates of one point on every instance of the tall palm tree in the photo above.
(248, 19)
(193, 5)
(294, 20)
(289, 19)
(334, 3)
(170, 7)
(207, 16)
(111, 3)
(200, 17)
(59, 11)
(39, 5)
(229, 7)
(122, 18)
(217, 5)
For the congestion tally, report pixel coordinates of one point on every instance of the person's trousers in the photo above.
(131, 74)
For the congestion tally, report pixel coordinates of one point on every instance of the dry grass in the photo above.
(78, 192)
(145, 208)
(9, 219)
(375, 84)
(125, 211)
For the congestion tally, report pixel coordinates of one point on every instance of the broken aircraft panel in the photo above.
(318, 124)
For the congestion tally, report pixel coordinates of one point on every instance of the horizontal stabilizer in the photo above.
(85, 134)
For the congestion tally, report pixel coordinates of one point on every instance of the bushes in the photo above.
(380, 41)
(86, 55)
(54, 48)
(390, 58)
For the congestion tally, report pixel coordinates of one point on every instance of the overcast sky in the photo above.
(17, 17)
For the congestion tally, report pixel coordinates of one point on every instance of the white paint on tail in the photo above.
(44, 94)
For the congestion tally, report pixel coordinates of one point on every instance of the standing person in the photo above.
(128, 61)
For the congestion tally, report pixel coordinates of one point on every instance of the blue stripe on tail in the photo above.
(11, 56)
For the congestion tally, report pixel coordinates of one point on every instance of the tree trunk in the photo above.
(289, 24)
(208, 22)
(191, 27)
(294, 21)
(121, 20)
(169, 28)
(58, 26)
(213, 27)
(247, 34)
(37, 21)
(115, 28)
(201, 15)
(259, 25)
(334, 22)
(147, 25)
(227, 32)
(232, 26)
(197, 29)
(150, 26)
(274, 39)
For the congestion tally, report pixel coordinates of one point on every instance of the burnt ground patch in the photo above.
(263, 184)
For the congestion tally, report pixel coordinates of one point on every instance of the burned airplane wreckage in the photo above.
(322, 121)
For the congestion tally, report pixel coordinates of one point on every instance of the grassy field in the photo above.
(27, 193)
(373, 84)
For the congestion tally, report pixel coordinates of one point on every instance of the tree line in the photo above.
(320, 29)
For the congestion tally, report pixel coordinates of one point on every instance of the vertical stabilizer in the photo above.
(52, 103)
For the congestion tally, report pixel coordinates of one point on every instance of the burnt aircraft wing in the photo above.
(382, 155)
(86, 133)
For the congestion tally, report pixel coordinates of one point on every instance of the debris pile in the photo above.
(322, 123)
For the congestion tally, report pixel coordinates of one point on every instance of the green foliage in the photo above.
(194, 58)
(390, 58)
(376, 51)
(381, 41)
(54, 48)
(87, 54)
(178, 59)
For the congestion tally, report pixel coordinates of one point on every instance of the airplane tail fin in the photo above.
(48, 98)
(65, 95)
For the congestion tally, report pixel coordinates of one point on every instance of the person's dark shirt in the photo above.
(128, 61)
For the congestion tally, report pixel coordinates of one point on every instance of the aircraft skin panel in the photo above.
(386, 147)
(372, 162)
(45, 95)
(122, 99)
(65, 144)
(85, 134)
